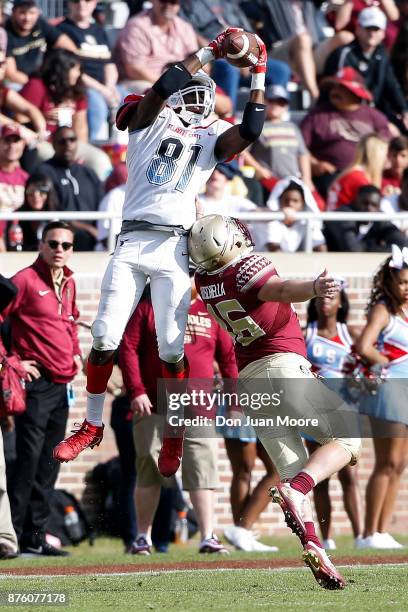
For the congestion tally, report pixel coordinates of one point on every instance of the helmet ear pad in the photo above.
(215, 242)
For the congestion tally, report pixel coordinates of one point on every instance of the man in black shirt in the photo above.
(28, 37)
(100, 74)
(368, 56)
(78, 188)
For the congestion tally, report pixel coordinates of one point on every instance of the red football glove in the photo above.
(217, 44)
(260, 66)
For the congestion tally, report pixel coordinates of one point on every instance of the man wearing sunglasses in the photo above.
(44, 336)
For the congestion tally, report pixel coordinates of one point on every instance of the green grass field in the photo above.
(379, 587)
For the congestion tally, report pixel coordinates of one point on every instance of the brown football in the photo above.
(241, 49)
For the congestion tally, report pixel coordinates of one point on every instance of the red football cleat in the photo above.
(87, 436)
(295, 506)
(323, 569)
(170, 456)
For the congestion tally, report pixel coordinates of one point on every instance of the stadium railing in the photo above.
(252, 217)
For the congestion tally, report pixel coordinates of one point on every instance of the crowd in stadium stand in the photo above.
(336, 92)
(335, 139)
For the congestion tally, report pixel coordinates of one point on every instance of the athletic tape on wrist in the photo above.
(205, 55)
(258, 81)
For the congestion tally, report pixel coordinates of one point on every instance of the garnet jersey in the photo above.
(328, 355)
(167, 165)
(258, 328)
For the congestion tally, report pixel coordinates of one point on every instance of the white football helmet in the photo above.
(215, 242)
(199, 93)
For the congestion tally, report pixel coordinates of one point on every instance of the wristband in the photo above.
(258, 80)
(204, 55)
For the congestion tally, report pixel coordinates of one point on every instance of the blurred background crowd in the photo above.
(337, 114)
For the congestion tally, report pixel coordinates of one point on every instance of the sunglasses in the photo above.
(33, 190)
(54, 244)
(67, 139)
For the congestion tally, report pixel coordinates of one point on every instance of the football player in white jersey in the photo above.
(173, 149)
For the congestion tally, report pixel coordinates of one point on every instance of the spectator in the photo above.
(8, 538)
(12, 102)
(139, 359)
(292, 196)
(280, 151)
(78, 188)
(58, 92)
(334, 127)
(398, 161)
(361, 235)
(218, 199)
(12, 177)
(329, 342)
(209, 18)
(44, 336)
(368, 56)
(28, 37)
(3, 33)
(384, 344)
(399, 56)
(151, 40)
(39, 195)
(398, 202)
(367, 169)
(100, 73)
(347, 16)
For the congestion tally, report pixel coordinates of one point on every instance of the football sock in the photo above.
(97, 380)
(302, 482)
(311, 534)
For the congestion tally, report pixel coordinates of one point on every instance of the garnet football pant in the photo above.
(139, 255)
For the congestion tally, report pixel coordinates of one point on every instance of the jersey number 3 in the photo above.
(164, 163)
(244, 330)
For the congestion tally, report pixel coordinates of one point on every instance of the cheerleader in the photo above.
(329, 342)
(384, 343)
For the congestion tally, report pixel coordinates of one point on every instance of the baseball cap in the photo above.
(276, 92)
(229, 170)
(10, 130)
(372, 17)
(351, 80)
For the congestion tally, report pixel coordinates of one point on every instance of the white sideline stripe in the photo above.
(178, 571)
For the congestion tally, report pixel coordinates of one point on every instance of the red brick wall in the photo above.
(361, 268)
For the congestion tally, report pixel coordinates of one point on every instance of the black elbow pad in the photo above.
(252, 121)
(175, 78)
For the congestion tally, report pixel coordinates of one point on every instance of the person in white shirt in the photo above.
(291, 196)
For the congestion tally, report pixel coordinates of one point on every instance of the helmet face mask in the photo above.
(216, 242)
(196, 101)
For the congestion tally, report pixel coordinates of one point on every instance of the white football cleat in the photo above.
(295, 506)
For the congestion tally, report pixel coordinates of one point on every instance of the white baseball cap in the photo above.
(372, 17)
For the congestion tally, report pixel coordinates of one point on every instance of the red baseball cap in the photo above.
(10, 130)
(351, 80)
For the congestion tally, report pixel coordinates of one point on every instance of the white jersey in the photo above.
(168, 163)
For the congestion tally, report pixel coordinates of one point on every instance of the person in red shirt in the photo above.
(398, 161)
(205, 342)
(367, 169)
(244, 292)
(44, 336)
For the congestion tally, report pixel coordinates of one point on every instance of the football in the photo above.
(241, 49)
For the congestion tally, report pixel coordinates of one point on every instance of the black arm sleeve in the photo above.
(175, 78)
(252, 121)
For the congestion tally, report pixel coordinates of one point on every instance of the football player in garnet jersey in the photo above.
(172, 151)
(245, 294)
